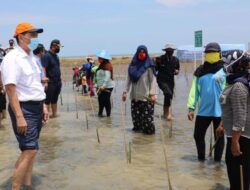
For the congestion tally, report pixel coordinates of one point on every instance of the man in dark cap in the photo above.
(51, 64)
(205, 92)
(11, 46)
(26, 100)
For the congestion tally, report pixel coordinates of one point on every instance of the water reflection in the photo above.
(50, 142)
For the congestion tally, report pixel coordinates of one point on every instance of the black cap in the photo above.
(55, 41)
(212, 47)
(39, 49)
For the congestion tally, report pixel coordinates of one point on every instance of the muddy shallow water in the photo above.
(70, 156)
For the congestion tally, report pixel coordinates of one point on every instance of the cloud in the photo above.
(179, 2)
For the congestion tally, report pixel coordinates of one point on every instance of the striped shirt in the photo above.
(235, 106)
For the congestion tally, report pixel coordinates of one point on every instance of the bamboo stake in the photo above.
(76, 106)
(170, 132)
(241, 178)
(165, 154)
(124, 132)
(112, 102)
(213, 147)
(115, 86)
(97, 134)
(130, 152)
(61, 99)
(87, 122)
(93, 112)
(125, 112)
(65, 84)
(91, 104)
(186, 75)
(67, 102)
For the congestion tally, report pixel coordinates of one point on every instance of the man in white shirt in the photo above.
(22, 79)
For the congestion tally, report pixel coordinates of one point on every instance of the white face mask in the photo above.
(33, 44)
(91, 61)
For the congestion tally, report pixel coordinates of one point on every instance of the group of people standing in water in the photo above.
(143, 76)
(220, 91)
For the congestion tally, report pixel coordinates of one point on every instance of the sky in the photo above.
(119, 26)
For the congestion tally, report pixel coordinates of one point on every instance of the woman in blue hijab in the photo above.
(141, 79)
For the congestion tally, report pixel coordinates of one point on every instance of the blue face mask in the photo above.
(33, 43)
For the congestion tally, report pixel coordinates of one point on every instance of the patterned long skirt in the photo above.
(143, 116)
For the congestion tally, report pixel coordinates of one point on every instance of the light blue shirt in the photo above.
(206, 92)
(103, 78)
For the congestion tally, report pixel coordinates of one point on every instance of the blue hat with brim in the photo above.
(103, 54)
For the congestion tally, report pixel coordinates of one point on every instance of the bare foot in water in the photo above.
(54, 116)
(4, 114)
(170, 117)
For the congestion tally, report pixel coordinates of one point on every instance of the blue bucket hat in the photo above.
(103, 54)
